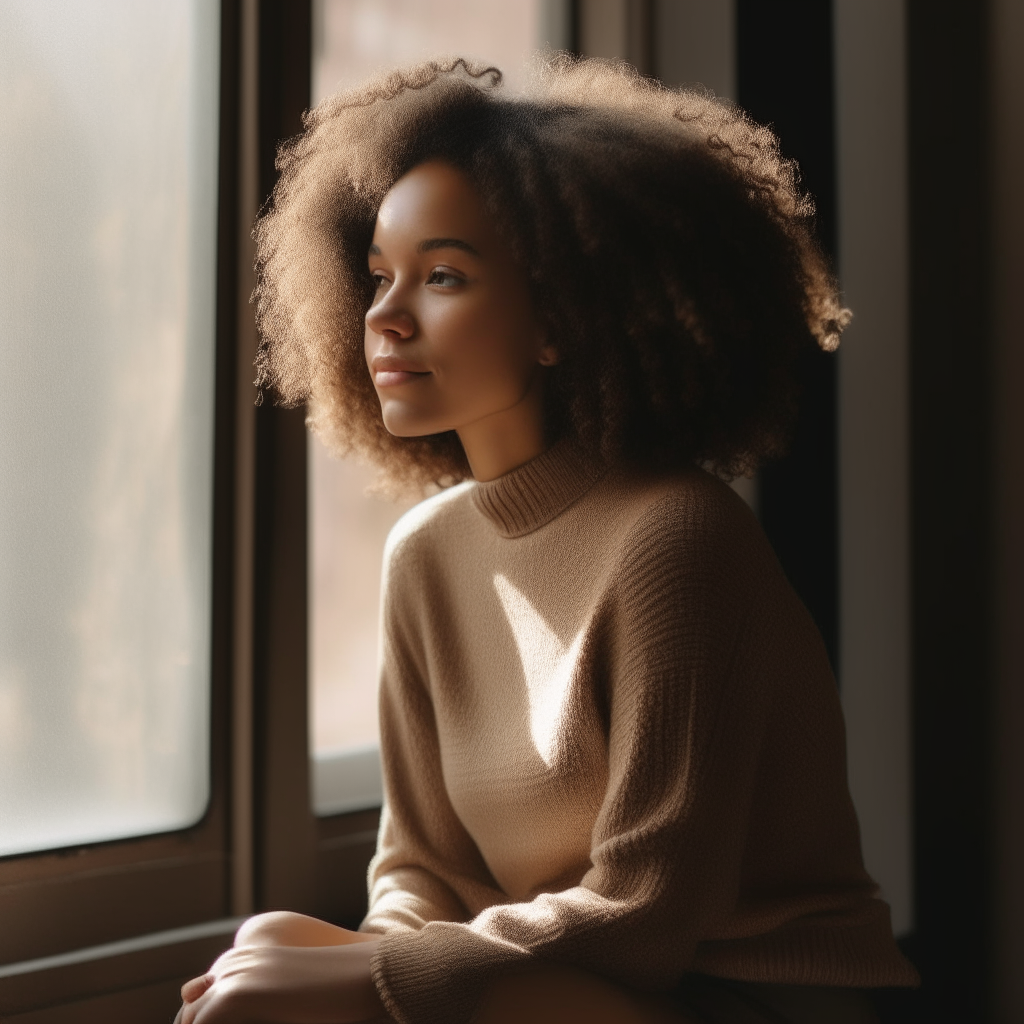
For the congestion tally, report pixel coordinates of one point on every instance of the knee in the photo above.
(275, 928)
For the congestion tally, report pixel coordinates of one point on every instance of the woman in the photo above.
(613, 749)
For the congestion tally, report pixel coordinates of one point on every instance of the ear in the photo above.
(547, 356)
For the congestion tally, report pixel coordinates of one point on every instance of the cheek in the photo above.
(485, 346)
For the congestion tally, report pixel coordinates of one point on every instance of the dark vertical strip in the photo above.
(951, 504)
(575, 18)
(784, 78)
(224, 402)
(285, 826)
(286, 53)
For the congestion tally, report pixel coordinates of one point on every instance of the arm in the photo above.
(427, 867)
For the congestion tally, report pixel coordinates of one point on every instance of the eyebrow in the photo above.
(428, 244)
(446, 243)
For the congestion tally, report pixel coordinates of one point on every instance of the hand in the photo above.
(285, 985)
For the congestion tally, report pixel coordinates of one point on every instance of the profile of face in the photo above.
(452, 341)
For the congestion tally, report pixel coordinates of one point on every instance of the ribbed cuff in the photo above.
(437, 974)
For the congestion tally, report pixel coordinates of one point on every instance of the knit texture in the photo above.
(611, 739)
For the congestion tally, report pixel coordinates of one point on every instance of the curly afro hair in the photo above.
(668, 245)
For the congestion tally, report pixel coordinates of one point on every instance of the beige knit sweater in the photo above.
(611, 739)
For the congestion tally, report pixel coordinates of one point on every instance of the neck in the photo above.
(505, 440)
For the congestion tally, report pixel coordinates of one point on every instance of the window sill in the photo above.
(151, 966)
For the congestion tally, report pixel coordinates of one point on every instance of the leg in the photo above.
(283, 928)
(559, 995)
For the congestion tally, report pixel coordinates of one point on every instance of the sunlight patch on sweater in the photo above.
(547, 664)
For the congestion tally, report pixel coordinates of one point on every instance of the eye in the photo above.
(445, 278)
(379, 281)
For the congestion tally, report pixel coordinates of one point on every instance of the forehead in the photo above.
(433, 199)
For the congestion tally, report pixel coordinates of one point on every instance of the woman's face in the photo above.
(451, 340)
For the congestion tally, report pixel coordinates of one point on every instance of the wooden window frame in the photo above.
(57, 901)
(303, 862)
(108, 931)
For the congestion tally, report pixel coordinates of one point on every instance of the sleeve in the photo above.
(684, 731)
(427, 867)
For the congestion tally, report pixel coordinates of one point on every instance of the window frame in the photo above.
(65, 898)
(303, 862)
(121, 916)
(111, 929)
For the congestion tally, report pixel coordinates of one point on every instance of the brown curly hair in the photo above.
(669, 248)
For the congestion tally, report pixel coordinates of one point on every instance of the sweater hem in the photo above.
(861, 956)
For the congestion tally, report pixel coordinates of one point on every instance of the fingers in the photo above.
(193, 989)
(186, 1015)
(190, 992)
(190, 1010)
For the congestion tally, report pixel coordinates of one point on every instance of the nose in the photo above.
(388, 316)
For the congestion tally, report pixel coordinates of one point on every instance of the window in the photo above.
(108, 201)
(113, 683)
(352, 38)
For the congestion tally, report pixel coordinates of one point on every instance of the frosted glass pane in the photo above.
(348, 533)
(108, 150)
(352, 39)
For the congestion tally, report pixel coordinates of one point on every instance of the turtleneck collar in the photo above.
(533, 494)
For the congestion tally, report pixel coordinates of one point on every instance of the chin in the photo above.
(406, 426)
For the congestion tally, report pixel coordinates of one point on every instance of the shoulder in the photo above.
(691, 513)
(690, 540)
(696, 581)
(422, 527)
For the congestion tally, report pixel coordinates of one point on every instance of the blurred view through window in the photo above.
(108, 173)
(353, 39)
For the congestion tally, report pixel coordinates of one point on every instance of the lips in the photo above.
(390, 370)
(389, 378)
